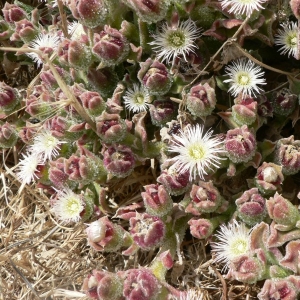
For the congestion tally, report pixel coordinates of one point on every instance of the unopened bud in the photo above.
(201, 100)
(155, 77)
(240, 144)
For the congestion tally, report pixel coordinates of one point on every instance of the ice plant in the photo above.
(103, 285)
(46, 145)
(174, 41)
(233, 241)
(251, 207)
(68, 206)
(141, 284)
(197, 152)
(240, 144)
(287, 38)
(136, 99)
(103, 235)
(241, 7)
(27, 168)
(244, 76)
(47, 43)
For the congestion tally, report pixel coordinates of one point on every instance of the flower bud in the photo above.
(205, 198)
(90, 13)
(13, 13)
(147, 231)
(174, 182)
(49, 80)
(201, 228)
(103, 80)
(240, 144)
(201, 100)
(246, 269)
(276, 288)
(93, 103)
(103, 285)
(162, 111)
(9, 98)
(82, 169)
(283, 212)
(60, 128)
(57, 174)
(155, 77)
(140, 284)
(244, 111)
(40, 103)
(110, 127)
(264, 108)
(287, 154)
(251, 207)
(157, 200)
(150, 11)
(111, 46)
(8, 135)
(119, 160)
(268, 178)
(103, 235)
(75, 53)
(27, 133)
(24, 31)
(284, 102)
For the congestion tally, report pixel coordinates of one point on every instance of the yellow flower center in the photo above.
(293, 41)
(197, 152)
(139, 99)
(177, 39)
(51, 142)
(73, 206)
(239, 247)
(244, 80)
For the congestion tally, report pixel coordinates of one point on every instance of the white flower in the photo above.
(75, 30)
(68, 206)
(137, 99)
(244, 78)
(44, 42)
(198, 152)
(46, 145)
(287, 37)
(233, 241)
(240, 7)
(27, 168)
(174, 41)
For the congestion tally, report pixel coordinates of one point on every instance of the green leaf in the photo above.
(221, 84)
(294, 85)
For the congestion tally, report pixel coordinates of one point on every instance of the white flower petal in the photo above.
(233, 241)
(46, 145)
(287, 37)
(27, 168)
(68, 206)
(244, 76)
(198, 152)
(241, 7)
(171, 42)
(42, 42)
(137, 99)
